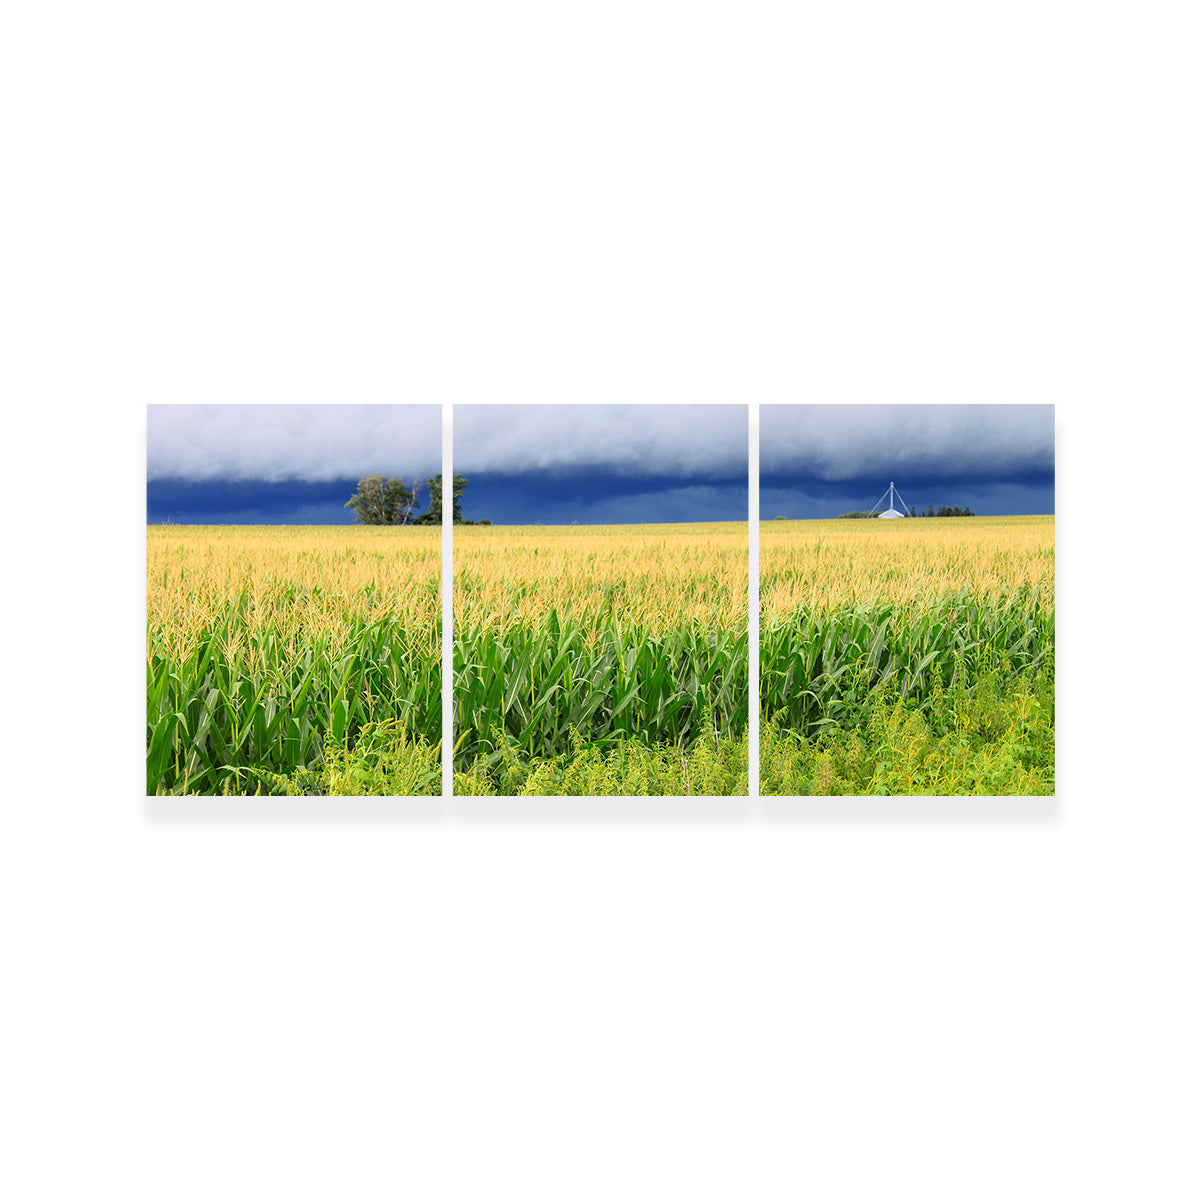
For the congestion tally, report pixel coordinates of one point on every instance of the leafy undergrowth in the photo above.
(385, 761)
(992, 737)
(714, 765)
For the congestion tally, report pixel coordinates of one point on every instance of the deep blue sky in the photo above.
(600, 497)
(280, 464)
(599, 464)
(823, 460)
(249, 502)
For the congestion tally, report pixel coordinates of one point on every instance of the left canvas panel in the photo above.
(293, 599)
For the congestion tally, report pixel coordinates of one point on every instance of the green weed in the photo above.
(713, 765)
(384, 761)
(993, 735)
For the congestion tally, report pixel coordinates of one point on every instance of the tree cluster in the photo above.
(380, 501)
(944, 511)
(947, 512)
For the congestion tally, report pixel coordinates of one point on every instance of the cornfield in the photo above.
(568, 637)
(270, 649)
(910, 610)
(602, 659)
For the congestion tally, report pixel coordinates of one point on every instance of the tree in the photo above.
(407, 509)
(434, 514)
(380, 501)
(460, 486)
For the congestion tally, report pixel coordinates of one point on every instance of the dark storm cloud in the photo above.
(249, 502)
(679, 441)
(919, 442)
(277, 442)
(601, 497)
(599, 464)
(814, 501)
(823, 460)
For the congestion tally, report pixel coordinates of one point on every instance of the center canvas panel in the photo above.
(601, 563)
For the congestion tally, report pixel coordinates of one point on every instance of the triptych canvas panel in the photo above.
(608, 600)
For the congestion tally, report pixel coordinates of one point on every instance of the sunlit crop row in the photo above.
(820, 565)
(653, 576)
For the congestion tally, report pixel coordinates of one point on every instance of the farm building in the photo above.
(891, 496)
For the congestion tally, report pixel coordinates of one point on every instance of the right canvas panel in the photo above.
(906, 592)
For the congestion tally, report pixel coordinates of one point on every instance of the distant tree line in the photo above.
(380, 501)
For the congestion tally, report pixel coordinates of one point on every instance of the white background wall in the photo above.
(530, 202)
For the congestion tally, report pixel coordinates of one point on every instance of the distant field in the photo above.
(601, 659)
(293, 659)
(907, 656)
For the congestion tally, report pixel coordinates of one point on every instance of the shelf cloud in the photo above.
(981, 442)
(273, 443)
(681, 441)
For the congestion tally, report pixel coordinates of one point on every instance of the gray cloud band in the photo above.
(672, 440)
(276, 442)
(836, 442)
